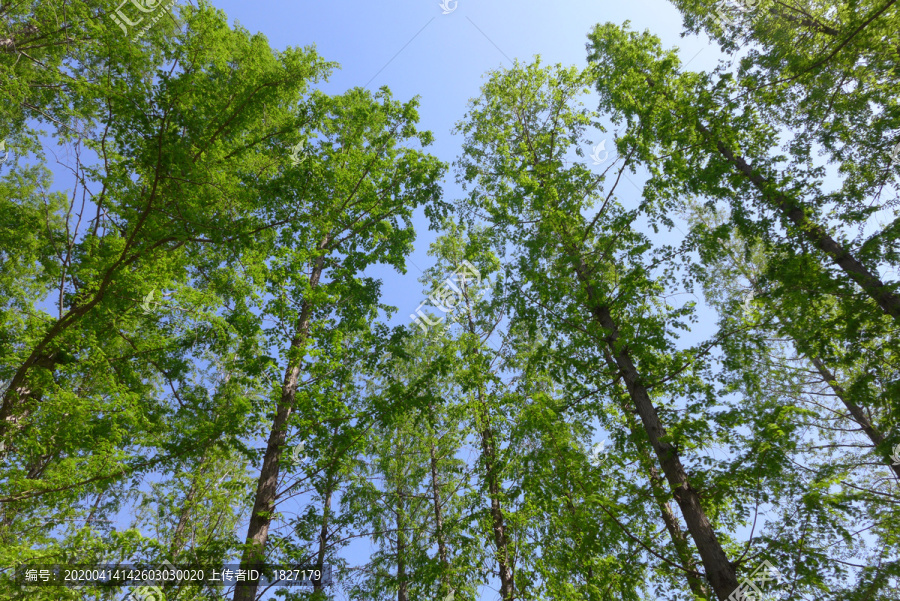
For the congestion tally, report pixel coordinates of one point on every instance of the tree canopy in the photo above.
(691, 392)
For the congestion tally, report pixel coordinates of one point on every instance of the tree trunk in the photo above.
(264, 505)
(177, 542)
(813, 232)
(507, 586)
(719, 571)
(570, 506)
(323, 535)
(402, 585)
(660, 495)
(439, 519)
(855, 410)
(489, 453)
(804, 20)
(810, 230)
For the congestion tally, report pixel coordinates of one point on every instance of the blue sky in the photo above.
(416, 50)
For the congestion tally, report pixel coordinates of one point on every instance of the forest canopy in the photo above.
(192, 338)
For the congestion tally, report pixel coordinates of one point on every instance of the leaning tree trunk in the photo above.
(855, 410)
(264, 504)
(719, 571)
(660, 495)
(812, 231)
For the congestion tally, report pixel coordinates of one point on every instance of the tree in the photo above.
(355, 191)
(515, 168)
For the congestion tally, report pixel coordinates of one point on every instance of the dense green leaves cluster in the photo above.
(191, 343)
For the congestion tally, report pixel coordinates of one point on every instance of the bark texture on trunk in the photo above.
(402, 584)
(489, 454)
(439, 519)
(507, 585)
(679, 541)
(488, 449)
(323, 534)
(809, 229)
(184, 516)
(264, 504)
(719, 571)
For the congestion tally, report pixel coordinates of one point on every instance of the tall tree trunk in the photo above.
(186, 508)
(264, 504)
(810, 230)
(573, 511)
(323, 534)
(719, 571)
(438, 517)
(679, 540)
(402, 584)
(828, 376)
(660, 495)
(855, 410)
(489, 454)
(184, 517)
(813, 232)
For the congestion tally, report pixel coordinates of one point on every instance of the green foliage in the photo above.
(190, 339)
